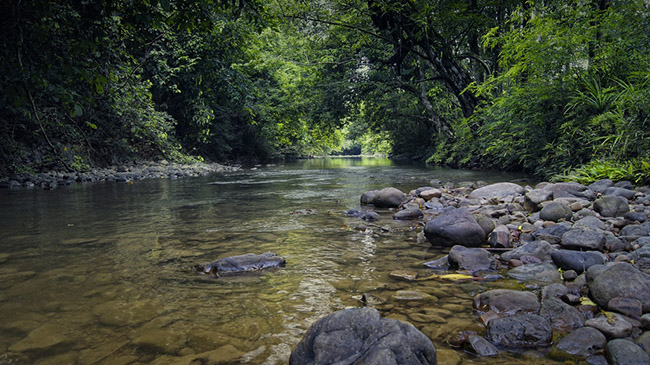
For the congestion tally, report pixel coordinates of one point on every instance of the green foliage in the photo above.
(636, 170)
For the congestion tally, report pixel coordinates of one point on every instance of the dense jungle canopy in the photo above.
(537, 86)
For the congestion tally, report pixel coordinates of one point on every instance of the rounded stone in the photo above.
(556, 211)
(624, 352)
(522, 330)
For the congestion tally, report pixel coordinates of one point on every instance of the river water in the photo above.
(100, 273)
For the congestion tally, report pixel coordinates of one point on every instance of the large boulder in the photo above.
(583, 238)
(618, 279)
(497, 191)
(611, 206)
(626, 193)
(625, 352)
(578, 261)
(584, 342)
(361, 336)
(455, 227)
(471, 259)
(242, 263)
(556, 211)
(384, 198)
(522, 330)
(506, 301)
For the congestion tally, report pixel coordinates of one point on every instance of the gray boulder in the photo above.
(472, 259)
(635, 217)
(361, 336)
(582, 238)
(601, 185)
(605, 283)
(534, 199)
(508, 301)
(570, 190)
(455, 227)
(630, 307)
(590, 222)
(522, 330)
(406, 214)
(544, 272)
(632, 232)
(540, 249)
(626, 193)
(577, 260)
(242, 263)
(555, 211)
(497, 191)
(552, 234)
(611, 206)
(584, 341)
(386, 198)
(624, 352)
(563, 317)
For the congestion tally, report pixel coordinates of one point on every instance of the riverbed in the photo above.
(98, 273)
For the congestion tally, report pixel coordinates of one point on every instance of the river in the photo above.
(100, 272)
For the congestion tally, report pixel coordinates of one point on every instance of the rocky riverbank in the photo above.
(580, 255)
(124, 173)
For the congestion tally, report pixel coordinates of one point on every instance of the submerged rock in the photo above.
(361, 336)
(242, 263)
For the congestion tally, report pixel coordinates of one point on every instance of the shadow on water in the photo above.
(100, 273)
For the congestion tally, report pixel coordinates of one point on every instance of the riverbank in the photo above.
(124, 173)
(562, 270)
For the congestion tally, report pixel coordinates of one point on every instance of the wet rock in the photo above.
(403, 274)
(369, 216)
(556, 211)
(628, 306)
(480, 346)
(577, 260)
(361, 336)
(582, 238)
(601, 185)
(160, 341)
(430, 194)
(471, 259)
(522, 330)
(611, 206)
(552, 234)
(497, 191)
(562, 316)
(613, 325)
(439, 264)
(384, 198)
(456, 226)
(544, 272)
(605, 283)
(406, 214)
(615, 191)
(584, 341)
(242, 263)
(624, 352)
(506, 301)
(540, 249)
(120, 313)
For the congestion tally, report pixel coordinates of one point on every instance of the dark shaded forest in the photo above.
(545, 87)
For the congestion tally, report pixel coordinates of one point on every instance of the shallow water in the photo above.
(99, 273)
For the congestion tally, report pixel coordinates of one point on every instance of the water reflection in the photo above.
(99, 273)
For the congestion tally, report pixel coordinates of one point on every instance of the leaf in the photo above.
(78, 111)
(587, 301)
